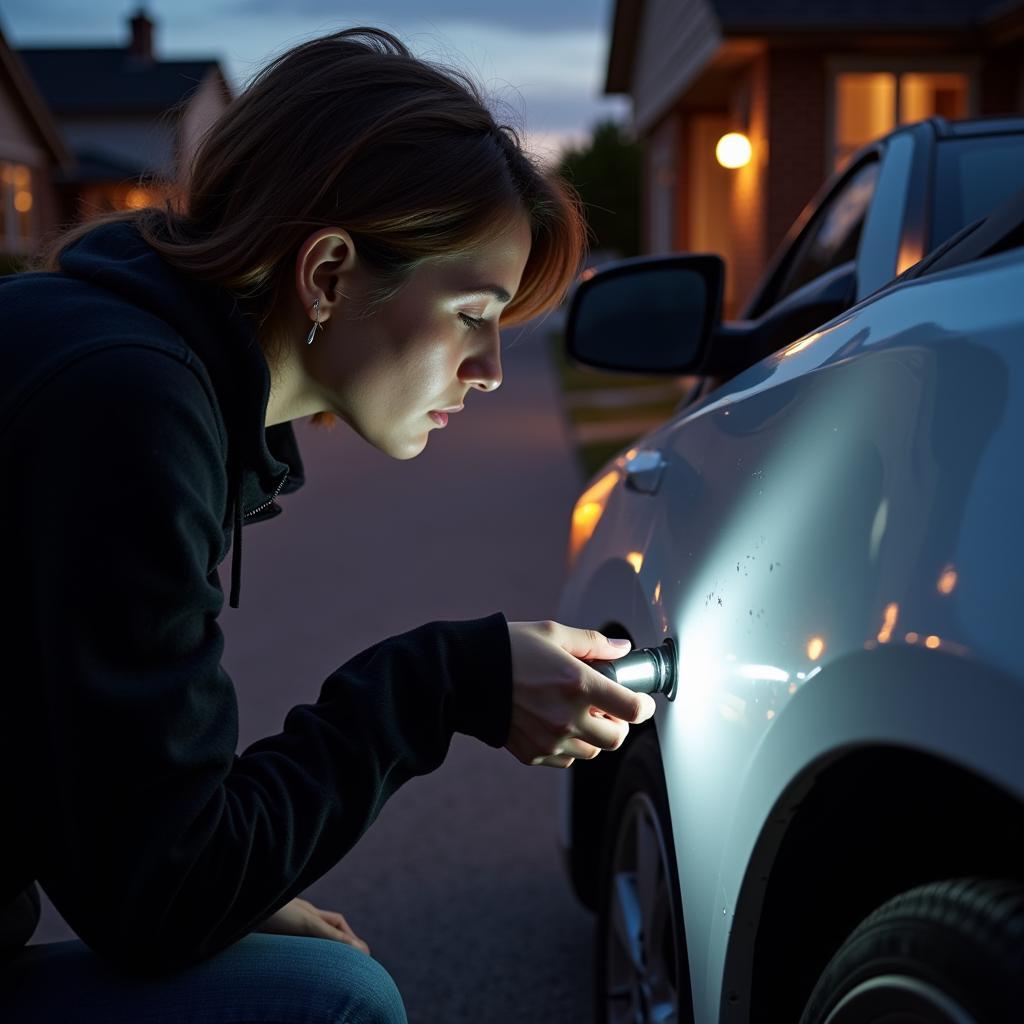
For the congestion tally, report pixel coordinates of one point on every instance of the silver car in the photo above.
(826, 822)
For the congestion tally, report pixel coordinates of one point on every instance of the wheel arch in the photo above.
(852, 831)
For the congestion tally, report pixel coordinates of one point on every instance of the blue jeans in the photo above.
(261, 979)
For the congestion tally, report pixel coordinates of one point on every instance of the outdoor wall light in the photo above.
(733, 150)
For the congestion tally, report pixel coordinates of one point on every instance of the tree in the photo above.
(606, 173)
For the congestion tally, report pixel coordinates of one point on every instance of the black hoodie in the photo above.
(133, 446)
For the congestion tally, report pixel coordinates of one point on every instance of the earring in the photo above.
(312, 331)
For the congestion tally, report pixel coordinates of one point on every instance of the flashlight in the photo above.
(645, 670)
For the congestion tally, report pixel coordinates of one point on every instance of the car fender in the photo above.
(892, 696)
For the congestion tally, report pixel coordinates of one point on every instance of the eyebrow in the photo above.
(491, 289)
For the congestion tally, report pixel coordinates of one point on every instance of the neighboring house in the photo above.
(807, 82)
(133, 121)
(31, 153)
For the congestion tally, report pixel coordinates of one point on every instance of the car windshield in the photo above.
(972, 177)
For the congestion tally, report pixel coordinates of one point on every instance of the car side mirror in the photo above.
(647, 314)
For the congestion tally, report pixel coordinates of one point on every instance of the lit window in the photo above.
(865, 109)
(16, 202)
(924, 96)
(868, 104)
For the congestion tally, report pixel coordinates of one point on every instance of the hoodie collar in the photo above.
(262, 461)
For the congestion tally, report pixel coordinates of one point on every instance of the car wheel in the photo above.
(640, 974)
(949, 952)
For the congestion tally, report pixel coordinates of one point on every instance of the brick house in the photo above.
(132, 120)
(32, 152)
(807, 82)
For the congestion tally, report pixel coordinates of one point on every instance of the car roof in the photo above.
(946, 129)
(943, 129)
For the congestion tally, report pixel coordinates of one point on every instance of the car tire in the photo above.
(949, 952)
(640, 967)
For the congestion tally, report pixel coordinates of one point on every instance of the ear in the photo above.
(326, 268)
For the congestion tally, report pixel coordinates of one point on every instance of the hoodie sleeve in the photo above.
(157, 842)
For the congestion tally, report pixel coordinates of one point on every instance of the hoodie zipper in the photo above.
(270, 500)
(246, 515)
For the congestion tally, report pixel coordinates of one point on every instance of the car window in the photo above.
(835, 232)
(972, 177)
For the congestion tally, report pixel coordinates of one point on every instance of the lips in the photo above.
(440, 416)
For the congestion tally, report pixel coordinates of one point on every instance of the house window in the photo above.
(870, 103)
(16, 202)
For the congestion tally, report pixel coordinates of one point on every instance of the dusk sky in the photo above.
(543, 60)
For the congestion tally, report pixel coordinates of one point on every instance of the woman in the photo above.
(354, 228)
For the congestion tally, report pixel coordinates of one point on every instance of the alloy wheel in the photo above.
(899, 998)
(640, 954)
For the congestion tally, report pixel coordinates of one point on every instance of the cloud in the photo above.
(55, 23)
(570, 113)
(524, 15)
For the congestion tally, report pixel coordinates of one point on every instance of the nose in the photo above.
(482, 369)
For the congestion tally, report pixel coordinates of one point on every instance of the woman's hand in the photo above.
(561, 708)
(300, 917)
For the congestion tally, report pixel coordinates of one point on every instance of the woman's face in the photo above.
(389, 374)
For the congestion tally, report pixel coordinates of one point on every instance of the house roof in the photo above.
(24, 92)
(918, 15)
(806, 17)
(112, 80)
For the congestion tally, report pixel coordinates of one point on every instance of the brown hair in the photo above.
(351, 129)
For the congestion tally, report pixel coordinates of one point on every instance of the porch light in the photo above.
(136, 199)
(733, 150)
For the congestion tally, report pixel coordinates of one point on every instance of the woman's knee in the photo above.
(366, 992)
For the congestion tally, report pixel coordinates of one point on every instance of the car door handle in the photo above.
(644, 470)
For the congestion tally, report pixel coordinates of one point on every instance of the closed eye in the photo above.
(471, 321)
